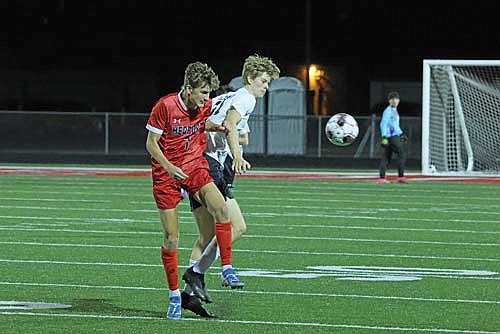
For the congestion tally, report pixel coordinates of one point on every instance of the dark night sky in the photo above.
(137, 34)
(375, 38)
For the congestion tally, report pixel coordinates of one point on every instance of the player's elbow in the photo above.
(149, 146)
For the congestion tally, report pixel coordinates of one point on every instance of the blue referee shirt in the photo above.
(389, 125)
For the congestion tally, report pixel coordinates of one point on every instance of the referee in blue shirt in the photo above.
(393, 139)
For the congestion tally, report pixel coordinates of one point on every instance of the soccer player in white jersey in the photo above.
(232, 111)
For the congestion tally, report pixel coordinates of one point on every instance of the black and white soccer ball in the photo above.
(342, 129)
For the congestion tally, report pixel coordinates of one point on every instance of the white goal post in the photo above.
(461, 117)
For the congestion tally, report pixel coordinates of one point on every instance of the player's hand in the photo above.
(218, 128)
(403, 138)
(240, 165)
(176, 173)
(384, 142)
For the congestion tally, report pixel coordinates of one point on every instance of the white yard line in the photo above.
(59, 221)
(259, 236)
(251, 322)
(273, 270)
(28, 199)
(185, 214)
(255, 251)
(256, 292)
(255, 214)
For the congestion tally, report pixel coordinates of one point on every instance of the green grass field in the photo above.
(319, 257)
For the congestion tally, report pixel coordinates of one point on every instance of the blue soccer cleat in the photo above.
(174, 308)
(229, 278)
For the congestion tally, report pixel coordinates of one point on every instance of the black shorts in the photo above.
(223, 178)
(229, 172)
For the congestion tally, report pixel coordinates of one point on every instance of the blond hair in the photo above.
(256, 65)
(199, 74)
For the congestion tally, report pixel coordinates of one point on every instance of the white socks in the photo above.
(208, 257)
(174, 293)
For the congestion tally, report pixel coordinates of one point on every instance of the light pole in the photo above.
(308, 42)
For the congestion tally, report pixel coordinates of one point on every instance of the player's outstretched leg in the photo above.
(216, 205)
(194, 304)
(197, 283)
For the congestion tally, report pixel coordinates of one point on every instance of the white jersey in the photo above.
(244, 103)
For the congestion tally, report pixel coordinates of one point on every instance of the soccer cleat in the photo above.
(174, 308)
(383, 180)
(193, 304)
(229, 278)
(402, 179)
(197, 283)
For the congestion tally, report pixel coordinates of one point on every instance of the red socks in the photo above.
(170, 263)
(223, 233)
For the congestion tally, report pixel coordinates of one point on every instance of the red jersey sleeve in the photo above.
(157, 121)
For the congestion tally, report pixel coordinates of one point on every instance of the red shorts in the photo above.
(167, 191)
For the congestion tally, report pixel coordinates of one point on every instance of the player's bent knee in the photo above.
(239, 227)
(240, 230)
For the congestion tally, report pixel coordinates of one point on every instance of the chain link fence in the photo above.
(105, 133)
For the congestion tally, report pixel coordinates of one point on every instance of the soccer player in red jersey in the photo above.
(176, 142)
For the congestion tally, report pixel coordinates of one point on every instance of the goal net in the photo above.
(461, 117)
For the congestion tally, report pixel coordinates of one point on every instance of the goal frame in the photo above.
(426, 103)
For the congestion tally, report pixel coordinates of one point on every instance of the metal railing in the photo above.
(117, 133)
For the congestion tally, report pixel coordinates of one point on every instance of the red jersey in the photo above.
(182, 136)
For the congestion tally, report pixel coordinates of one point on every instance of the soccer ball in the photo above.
(342, 129)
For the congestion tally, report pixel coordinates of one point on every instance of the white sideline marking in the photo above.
(27, 228)
(249, 271)
(311, 187)
(253, 322)
(65, 168)
(242, 191)
(258, 214)
(303, 215)
(44, 244)
(324, 197)
(76, 209)
(29, 305)
(294, 225)
(363, 192)
(371, 210)
(358, 209)
(250, 292)
(26, 199)
(131, 221)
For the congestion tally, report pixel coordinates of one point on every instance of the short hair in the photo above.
(199, 74)
(256, 65)
(393, 95)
